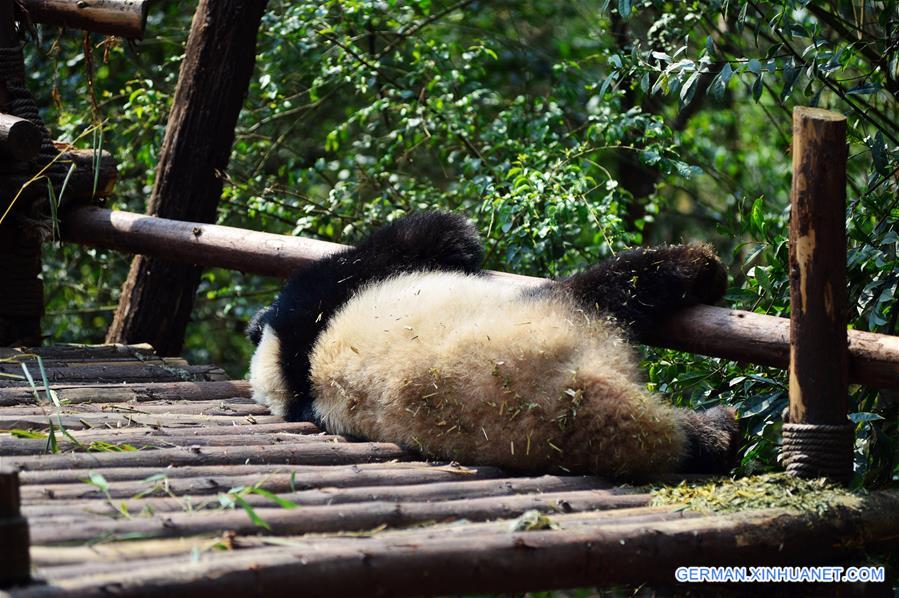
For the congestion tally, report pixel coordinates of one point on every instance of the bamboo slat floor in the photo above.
(156, 477)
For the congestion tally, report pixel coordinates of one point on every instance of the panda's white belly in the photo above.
(461, 367)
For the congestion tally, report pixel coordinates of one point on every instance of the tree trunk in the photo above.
(158, 295)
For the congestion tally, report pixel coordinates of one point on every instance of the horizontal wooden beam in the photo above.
(137, 392)
(714, 331)
(354, 517)
(125, 18)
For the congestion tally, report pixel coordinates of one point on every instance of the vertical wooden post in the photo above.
(15, 563)
(158, 296)
(818, 438)
(22, 292)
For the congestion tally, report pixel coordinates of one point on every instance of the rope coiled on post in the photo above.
(818, 450)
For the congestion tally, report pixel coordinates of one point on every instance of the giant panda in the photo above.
(403, 339)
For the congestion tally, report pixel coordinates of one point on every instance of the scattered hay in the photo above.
(773, 490)
(532, 520)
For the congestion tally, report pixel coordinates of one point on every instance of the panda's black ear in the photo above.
(257, 323)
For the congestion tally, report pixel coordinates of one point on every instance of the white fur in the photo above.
(464, 368)
(266, 378)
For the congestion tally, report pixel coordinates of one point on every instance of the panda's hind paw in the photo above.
(713, 440)
(700, 269)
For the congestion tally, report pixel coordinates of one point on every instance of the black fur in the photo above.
(642, 287)
(422, 241)
(712, 440)
(257, 323)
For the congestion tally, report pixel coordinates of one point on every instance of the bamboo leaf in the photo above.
(281, 502)
(256, 519)
(97, 480)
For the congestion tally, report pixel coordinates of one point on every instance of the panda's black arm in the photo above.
(642, 287)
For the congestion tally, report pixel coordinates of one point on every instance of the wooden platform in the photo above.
(160, 477)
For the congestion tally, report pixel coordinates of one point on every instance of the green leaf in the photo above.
(98, 153)
(686, 93)
(605, 84)
(96, 479)
(790, 74)
(754, 66)
(879, 154)
(719, 85)
(27, 434)
(281, 502)
(256, 519)
(710, 49)
(50, 394)
(332, 141)
(624, 8)
(62, 190)
(863, 416)
(28, 377)
(156, 477)
(866, 88)
(757, 218)
(757, 89)
(52, 445)
(99, 446)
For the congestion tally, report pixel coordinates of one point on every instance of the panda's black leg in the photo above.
(713, 437)
(641, 287)
(423, 241)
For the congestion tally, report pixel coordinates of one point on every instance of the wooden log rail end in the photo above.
(124, 18)
(90, 169)
(20, 139)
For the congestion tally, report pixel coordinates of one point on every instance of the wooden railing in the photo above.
(713, 331)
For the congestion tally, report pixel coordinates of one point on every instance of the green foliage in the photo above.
(567, 130)
(235, 497)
